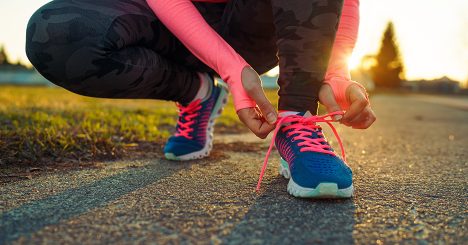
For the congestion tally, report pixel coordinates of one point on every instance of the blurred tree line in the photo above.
(386, 68)
(5, 62)
(3, 57)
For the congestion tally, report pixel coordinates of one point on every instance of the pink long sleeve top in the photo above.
(338, 76)
(186, 23)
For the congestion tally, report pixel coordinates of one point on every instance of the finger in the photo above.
(368, 120)
(327, 98)
(358, 103)
(259, 127)
(266, 108)
(262, 128)
(359, 120)
(255, 122)
(253, 87)
(364, 120)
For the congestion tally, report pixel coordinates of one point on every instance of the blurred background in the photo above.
(417, 46)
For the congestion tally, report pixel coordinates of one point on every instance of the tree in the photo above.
(3, 56)
(388, 70)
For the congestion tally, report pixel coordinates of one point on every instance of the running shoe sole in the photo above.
(217, 110)
(323, 190)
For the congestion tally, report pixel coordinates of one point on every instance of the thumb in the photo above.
(253, 86)
(327, 98)
(267, 109)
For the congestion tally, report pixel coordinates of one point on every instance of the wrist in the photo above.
(340, 87)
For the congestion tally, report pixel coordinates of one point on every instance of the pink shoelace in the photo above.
(185, 128)
(301, 127)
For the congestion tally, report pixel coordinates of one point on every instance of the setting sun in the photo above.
(354, 61)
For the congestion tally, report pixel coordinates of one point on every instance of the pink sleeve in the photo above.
(338, 76)
(186, 23)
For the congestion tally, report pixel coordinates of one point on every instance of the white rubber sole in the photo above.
(218, 109)
(323, 190)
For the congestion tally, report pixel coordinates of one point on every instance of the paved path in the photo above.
(410, 174)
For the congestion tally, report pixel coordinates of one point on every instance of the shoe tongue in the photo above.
(304, 114)
(288, 113)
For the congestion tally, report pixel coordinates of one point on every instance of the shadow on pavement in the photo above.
(278, 218)
(33, 216)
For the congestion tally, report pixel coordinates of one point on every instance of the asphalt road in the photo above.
(410, 175)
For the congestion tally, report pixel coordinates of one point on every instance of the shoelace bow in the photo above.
(301, 127)
(191, 110)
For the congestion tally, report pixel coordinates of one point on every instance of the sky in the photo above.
(432, 34)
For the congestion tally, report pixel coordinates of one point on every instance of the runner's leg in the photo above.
(111, 49)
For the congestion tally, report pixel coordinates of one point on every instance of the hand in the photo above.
(359, 115)
(260, 120)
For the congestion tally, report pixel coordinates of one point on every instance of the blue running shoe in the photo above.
(194, 132)
(308, 161)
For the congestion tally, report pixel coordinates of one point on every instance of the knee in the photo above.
(37, 38)
(47, 47)
(61, 39)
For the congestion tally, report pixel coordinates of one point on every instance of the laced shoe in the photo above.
(314, 170)
(194, 131)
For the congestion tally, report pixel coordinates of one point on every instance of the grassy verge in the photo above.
(43, 125)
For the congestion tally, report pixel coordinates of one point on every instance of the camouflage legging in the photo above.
(119, 49)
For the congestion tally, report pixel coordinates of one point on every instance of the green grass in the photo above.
(43, 125)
